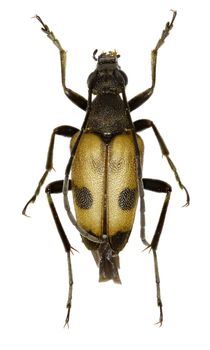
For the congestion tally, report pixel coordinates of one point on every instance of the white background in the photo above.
(32, 260)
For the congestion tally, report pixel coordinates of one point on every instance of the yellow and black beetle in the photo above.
(104, 171)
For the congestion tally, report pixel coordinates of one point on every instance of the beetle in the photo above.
(104, 171)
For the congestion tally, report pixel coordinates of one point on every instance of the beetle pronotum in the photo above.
(104, 170)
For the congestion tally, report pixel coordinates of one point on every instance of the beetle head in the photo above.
(107, 77)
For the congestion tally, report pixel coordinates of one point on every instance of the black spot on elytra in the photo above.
(119, 240)
(127, 199)
(83, 197)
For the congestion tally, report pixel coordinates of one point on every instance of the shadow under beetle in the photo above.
(106, 166)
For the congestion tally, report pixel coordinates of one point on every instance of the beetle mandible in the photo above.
(104, 171)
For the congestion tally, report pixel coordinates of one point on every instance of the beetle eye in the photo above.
(124, 77)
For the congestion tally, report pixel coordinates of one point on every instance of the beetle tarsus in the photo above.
(49, 33)
(188, 197)
(160, 322)
(45, 27)
(179, 180)
(32, 200)
(66, 324)
(165, 33)
(70, 276)
(36, 193)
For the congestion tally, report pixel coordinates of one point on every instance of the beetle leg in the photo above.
(56, 187)
(53, 188)
(63, 130)
(139, 163)
(79, 100)
(161, 187)
(139, 99)
(141, 191)
(143, 124)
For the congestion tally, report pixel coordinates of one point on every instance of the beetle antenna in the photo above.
(94, 55)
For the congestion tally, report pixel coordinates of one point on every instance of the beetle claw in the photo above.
(160, 323)
(32, 200)
(66, 324)
(188, 197)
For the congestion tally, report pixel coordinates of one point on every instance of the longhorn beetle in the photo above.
(104, 170)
